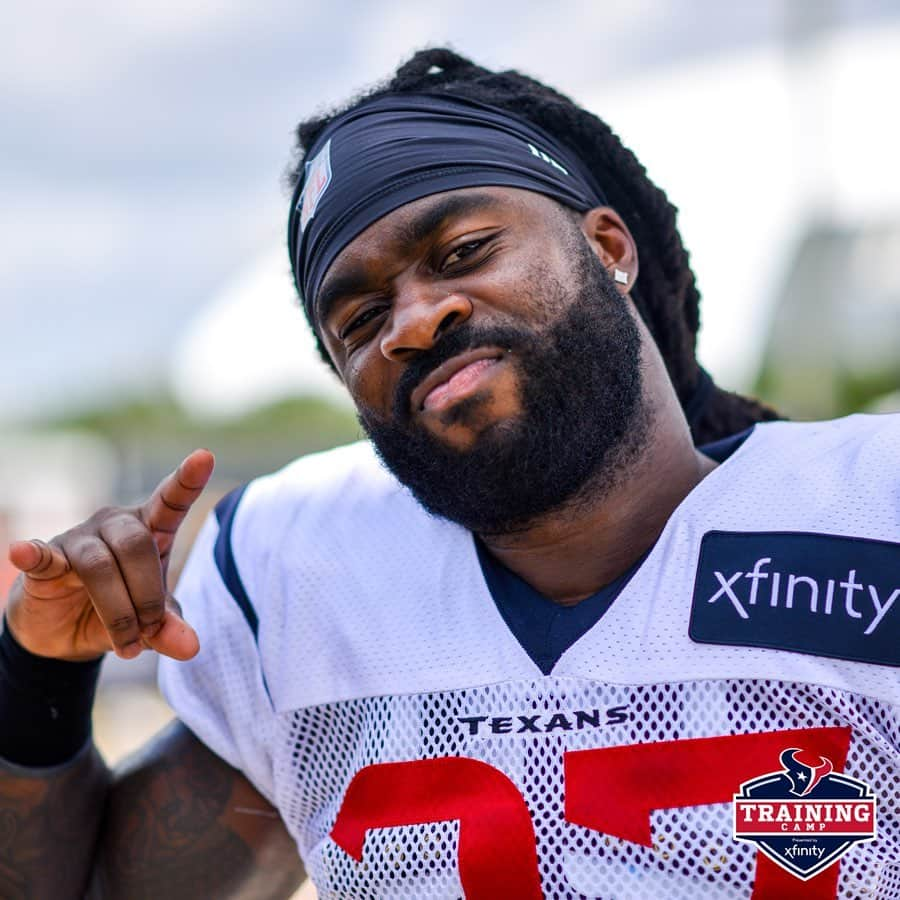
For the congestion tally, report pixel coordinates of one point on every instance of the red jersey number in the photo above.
(607, 790)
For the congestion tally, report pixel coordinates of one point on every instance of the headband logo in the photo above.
(546, 158)
(318, 177)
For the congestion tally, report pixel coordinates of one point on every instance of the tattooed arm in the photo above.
(48, 825)
(175, 823)
(180, 823)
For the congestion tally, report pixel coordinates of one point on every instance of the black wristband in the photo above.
(45, 704)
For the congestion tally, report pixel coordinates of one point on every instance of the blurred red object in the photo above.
(8, 571)
(8, 574)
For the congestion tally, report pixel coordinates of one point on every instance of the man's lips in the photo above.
(453, 378)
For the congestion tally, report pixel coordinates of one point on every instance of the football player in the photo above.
(530, 638)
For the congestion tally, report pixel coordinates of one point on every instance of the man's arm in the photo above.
(175, 822)
(181, 823)
(49, 818)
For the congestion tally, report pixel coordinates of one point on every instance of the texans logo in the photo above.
(804, 770)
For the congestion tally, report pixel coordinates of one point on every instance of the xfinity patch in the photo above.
(810, 593)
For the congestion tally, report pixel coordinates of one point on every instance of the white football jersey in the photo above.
(356, 667)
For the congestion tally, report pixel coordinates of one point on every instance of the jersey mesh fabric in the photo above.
(227, 705)
(377, 634)
(693, 855)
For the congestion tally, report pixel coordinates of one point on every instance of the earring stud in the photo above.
(620, 276)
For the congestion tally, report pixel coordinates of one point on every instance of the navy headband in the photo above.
(396, 149)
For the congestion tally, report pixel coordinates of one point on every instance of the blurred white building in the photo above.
(250, 346)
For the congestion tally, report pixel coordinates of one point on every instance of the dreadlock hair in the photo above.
(665, 293)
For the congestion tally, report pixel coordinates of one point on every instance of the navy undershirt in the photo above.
(544, 628)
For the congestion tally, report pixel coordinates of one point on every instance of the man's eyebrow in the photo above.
(356, 280)
(432, 217)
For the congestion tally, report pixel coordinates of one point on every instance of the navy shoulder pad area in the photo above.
(223, 553)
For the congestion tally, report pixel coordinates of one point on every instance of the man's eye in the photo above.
(462, 252)
(359, 321)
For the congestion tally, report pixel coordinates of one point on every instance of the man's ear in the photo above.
(610, 239)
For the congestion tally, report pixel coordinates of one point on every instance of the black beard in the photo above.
(582, 422)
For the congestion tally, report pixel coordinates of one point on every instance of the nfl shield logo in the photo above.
(806, 816)
(317, 179)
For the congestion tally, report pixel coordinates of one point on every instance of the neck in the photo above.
(574, 551)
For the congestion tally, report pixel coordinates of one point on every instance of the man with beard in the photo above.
(533, 650)
(582, 416)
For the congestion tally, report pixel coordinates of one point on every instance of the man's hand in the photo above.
(102, 584)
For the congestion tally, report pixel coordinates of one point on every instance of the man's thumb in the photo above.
(175, 637)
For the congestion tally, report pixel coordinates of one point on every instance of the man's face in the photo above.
(492, 360)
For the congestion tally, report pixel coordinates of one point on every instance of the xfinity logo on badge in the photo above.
(812, 593)
(805, 817)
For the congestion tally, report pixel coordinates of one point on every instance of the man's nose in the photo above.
(419, 316)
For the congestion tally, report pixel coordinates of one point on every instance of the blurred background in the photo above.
(147, 306)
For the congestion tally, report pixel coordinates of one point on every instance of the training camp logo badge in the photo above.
(805, 817)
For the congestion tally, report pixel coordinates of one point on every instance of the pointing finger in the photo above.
(38, 559)
(169, 503)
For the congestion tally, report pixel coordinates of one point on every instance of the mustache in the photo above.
(458, 340)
